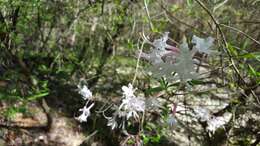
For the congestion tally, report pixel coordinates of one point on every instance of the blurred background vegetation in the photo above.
(48, 46)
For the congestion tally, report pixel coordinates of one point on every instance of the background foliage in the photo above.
(49, 46)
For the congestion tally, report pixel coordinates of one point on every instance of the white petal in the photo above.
(85, 92)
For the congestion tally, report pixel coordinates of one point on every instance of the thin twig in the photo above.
(148, 14)
(138, 61)
(239, 31)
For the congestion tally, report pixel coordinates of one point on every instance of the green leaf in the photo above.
(37, 96)
(156, 138)
(255, 55)
(232, 50)
(130, 141)
(175, 8)
(12, 111)
(145, 139)
(196, 82)
(253, 72)
(154, 90)
(189, 2)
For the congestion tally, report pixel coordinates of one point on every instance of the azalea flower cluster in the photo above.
(166, 59)
(130, 107)
(162, 51)
(85, 92)
(131, 104)
(87, 96)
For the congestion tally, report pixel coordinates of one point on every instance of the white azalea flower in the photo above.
(85, 92)
(85, 113)
(160, 44)
(215, 123)
(203, 114)
(131, 104)
(162, 52)
(128, 91)
(112, 122)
